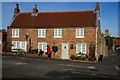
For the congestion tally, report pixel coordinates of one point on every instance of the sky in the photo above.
(108, 11)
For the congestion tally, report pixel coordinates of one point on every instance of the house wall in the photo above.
(102, 49)
(68, 36)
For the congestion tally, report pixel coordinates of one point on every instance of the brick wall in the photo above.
(68, 36)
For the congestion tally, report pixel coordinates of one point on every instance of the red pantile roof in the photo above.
(56, 19)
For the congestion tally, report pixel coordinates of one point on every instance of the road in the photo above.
(26, 67)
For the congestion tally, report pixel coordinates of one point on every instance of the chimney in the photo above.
(16, 10)
(35, 10)
(97, 8)
(106, 32)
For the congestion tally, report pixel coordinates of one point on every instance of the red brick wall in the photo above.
(68, 36)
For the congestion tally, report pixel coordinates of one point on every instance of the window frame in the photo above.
(16, 46)
(42, 46)
(41, 30)
(14, 34)
(81, 48)
(79, 35)
(20, 45)
(57, 33)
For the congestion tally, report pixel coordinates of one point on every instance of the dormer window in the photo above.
(34, 14)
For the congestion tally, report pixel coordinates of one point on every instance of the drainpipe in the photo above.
(96, 53)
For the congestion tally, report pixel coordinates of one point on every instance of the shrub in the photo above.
(73, 57)
(33, 51)
(109, 42)
(80, 56)
(54, 49)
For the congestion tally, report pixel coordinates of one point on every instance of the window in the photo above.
(16, 45)
(34, 14)
(81, 48)
(42, 46)
(23, 45)
(19, 45)
(57, 33)
(41, 33)
(79, 33)
(15, 33)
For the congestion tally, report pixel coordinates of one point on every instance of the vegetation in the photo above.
(109, 42)
(92, 52)
(80, 56)
(32, 51)
(54, 49)
(73, 57)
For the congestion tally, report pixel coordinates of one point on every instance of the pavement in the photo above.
(35, 67)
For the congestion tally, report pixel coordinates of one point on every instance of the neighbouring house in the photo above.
(117, 42)
(3, 39)
(71, 31)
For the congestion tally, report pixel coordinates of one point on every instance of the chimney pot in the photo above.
(35, 10)
(17, 10)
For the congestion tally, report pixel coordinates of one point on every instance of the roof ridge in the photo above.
(56, 12)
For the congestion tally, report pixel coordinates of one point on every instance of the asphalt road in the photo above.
(26, 67)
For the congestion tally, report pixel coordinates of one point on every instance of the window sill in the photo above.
(41, 37)
(79, 37)
(57, 37)
(15, 37)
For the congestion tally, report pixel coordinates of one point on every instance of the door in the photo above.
(64, 50)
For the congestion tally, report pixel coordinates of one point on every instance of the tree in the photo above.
(109, 42)
(54, 49)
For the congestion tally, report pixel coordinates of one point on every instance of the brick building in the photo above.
(3, 39)
(72, 32)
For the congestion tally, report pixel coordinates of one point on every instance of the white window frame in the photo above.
(81, 48)
(78, 34)
(16, 46)
(14, 33)
(42, 43)
(20, 45)
(57, 33)
(41, 30)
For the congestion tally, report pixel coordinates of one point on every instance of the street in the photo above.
(27, 67)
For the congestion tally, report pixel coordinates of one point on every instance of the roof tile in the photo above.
(56, 19)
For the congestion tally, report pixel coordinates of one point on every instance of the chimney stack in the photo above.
(35, 10)
(16, 10)
(97, 7)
